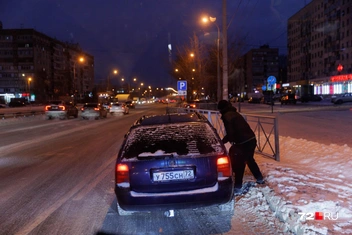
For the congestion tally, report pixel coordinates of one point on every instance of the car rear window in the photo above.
(91, 105)
(176, 139)
(56, 102)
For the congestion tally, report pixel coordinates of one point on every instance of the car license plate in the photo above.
(173, 175)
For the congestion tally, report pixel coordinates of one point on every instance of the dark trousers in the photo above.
(242, 154)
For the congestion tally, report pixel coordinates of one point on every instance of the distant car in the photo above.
(130, 104)
(60, 109)
(173, 161)
(256, 100)
(277, 97)
(117, 108)
(289, 99)
(16, 104)
(201, 104)
(93, 111)
(106, 105)
(347, 97)
(310, 97)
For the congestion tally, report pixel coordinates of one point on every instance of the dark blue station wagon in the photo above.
(173, 161)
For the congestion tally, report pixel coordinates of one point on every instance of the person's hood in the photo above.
(228, 109)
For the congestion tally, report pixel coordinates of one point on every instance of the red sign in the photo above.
(339, 67)
(341, 78)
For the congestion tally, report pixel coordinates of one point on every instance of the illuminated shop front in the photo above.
(338, 84)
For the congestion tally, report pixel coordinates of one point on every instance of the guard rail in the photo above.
(264, 127)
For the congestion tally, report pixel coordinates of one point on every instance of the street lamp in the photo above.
(213, 19)
(29, 89)
(75, 83)
(115, 72)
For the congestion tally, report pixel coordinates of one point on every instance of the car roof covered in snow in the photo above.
(170, 118)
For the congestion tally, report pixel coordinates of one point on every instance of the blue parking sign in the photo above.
(182, 85)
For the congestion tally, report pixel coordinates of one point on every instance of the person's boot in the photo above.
(260, 181)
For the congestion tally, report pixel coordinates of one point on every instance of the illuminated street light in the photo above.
(29, 89)
(213, 19)
(75, 83)
(114, 72)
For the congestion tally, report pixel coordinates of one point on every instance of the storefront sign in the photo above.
(341, 78)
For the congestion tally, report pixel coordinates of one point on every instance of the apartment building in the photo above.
(259, 64)
(40, 68)
(320, 48)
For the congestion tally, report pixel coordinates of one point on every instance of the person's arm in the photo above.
(225, 139)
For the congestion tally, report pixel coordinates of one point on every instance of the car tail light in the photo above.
(96, 109)
(82, 109)
(62, 107)
(224, 166)
(122, 173)
(47, 107)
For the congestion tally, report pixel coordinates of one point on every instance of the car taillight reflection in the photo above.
(122, 174)
(224, 166)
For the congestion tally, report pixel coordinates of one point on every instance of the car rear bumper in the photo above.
(56, 114)
(90, 114)
(220, 193)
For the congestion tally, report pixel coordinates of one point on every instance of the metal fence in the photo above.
(264, 127)
(8, 115)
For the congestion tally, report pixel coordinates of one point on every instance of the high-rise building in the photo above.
(259, 64)
(320, 47)
(40, 68)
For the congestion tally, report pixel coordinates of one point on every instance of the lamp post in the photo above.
(128, 85)
(29, 89)
(213, 19)
(80, 60)
(115, 72)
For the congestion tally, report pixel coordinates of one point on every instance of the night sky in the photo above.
(132, 35)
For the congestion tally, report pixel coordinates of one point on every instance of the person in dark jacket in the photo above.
(243, 144)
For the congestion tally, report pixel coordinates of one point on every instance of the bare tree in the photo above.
(189, 65)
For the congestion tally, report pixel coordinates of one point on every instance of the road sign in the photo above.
(182, 85)
(271, 80)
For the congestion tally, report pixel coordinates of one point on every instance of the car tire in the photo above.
(339, 102)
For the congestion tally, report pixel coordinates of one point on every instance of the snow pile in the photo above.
(310, 178)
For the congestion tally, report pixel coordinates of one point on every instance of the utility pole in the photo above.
(225, 87)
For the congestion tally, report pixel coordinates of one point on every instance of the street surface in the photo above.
(57, 177)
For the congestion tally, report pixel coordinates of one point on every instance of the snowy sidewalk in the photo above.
(311, 177)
